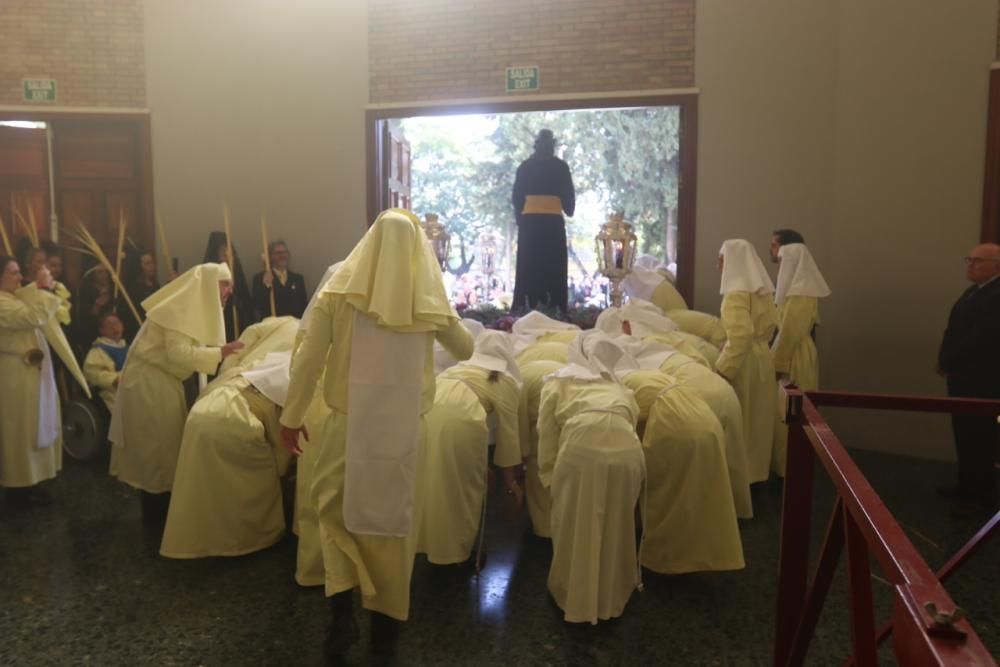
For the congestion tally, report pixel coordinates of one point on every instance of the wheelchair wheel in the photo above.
(85, 429)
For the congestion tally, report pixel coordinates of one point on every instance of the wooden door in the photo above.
(24, 181)
(397, 165)
(99, 174)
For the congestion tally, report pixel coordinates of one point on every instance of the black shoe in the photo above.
(385, 635)
(343, 631)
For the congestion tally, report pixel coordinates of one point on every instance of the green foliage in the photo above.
(627, 159)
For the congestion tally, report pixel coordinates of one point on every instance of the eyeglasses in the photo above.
(969, 261)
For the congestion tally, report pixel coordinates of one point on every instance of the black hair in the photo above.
(51, 248)
(494, 376)
(104, 316)
(5, 260)
(788, 236)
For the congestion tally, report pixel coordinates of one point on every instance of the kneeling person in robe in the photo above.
(590, 456)
(454, 477)
(227, 497)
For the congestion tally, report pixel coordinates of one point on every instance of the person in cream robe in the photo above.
(651, 354)
(537, 497)
(800, 287)
(30, 436)
(106, 358)
(453, 481)
(690, 514)
(183, 334)
(370, 337)
(226, 498)
(591, 459)
(749, 317)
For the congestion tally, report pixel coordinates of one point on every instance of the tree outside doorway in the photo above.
(621, 159)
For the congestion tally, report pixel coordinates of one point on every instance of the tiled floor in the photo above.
(81, 583)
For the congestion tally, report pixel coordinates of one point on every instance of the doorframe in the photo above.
(141, 118)
(686, 100)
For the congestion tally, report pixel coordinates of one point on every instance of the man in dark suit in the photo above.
(970, 359)
(290, 296)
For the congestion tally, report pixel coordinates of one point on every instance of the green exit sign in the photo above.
(521, 79)
(39, 90)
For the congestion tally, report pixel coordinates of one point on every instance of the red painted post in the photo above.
(796, 515)
(862, 613)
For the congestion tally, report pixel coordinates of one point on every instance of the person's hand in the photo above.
(43, 278)
(290, 439)
(232, 348)
(267, 279)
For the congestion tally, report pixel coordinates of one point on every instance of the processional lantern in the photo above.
(439, 237)
(616, 244)
(488, 254)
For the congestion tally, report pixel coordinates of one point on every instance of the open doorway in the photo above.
(629, 155)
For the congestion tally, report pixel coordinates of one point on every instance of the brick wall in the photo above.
(93, 49)
(445, 49)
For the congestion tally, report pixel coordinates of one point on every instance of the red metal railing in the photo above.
(863, 526)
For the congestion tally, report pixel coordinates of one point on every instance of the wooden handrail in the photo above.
(868, 527)
(955, 406)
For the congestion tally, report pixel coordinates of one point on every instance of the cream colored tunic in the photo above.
(749, 320)
(99, 369)
(381, 566)
(22, 461)
(690, 345)
(589, 455)
(795, 354)
(537, 496)
(721, 398)
(453, 480)
(690, 515)
(705, 326)
(309, 551)
(667, 298)
(544, 351)
(226, 499)
(152, 406)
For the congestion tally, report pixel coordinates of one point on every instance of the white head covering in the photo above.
(270, 376)
(594, 356)
(742, 270)
(332, 269)
(610, 321)
(798, 274)
(646, 318)
(190, 304)
(646, 275)
(648, 355)
(495, 352)
(536, 324)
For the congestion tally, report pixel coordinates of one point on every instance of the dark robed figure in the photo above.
(543, 190)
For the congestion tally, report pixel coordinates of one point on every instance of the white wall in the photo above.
(262, 103)
(862, 124)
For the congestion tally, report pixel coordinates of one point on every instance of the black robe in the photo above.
(541, 239)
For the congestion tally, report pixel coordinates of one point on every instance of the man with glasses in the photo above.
(290, 296)
(970, 360)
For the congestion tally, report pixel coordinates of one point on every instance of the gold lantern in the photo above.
(488, 254)
(615, 253)
(439, 237)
